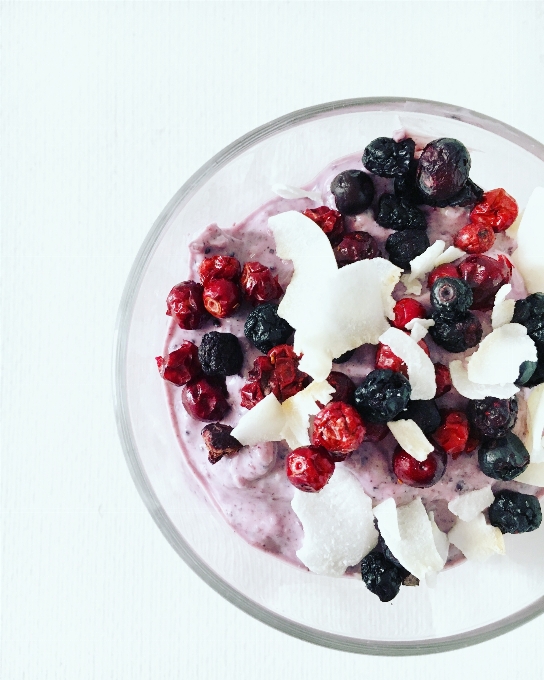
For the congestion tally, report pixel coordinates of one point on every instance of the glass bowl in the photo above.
(470, 603)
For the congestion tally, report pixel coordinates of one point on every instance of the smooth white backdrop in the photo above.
(107, 108)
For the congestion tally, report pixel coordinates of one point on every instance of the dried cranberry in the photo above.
(205, 399)
(330, 221)
(219, 267)
(375, 432)
(221, 297)
(259, 284)
(452, 435)
(344, 387)
(443, 380)
(251, 394)
(385, 358)
(309, 468)
(219, 441)
(407, 309)
(355, 246)
(473, 441)
(442, 271)
(485, 276)
(497, 210)
(474, 238)
(420, 474)
(184, 304)
(181, 365)
(339, 428)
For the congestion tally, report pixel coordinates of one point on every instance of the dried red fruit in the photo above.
(485, 276)
(184, 304)
(385, 358)
(416, 473)
(219, 441)
(497, 210)
(474, 238)
(452, 435)
(330, 221)
(473, 441)
(219, 267)
(259, 284)
(181, 365)
(339, 428)
(442, 271)
(407, 309)
(309, 468)
(344, 387)
(443, 380)
(205, 399)
(221, 297)
(356, 246)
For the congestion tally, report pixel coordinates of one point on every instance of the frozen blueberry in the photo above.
(467, 197)
(382, 395)
(403, 246)
(493, 417)
(526, 372)
(530, 313)
(538, 376)
(220, 354)
(265, 329)
(458, 334)
(442, 168)
(504, 458)
(515, 513)
(353, 192)
(424, 413)
(382, 576)
(397, 213)
(451, 297)
(387, 158)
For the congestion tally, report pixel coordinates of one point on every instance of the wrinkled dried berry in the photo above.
(419, 474)
(220, 354)
(259, 284)
(382, 395)
(184, 304)
(515, 513)
(485, 276)
(453, 433)
(356, 246)
(353, 192)
(344, 387)
(403, 246)
(387, 158)
(456, 335)
(330, 221)
(221, 297)
(205, 399)
(441, 272)
(496, 209)
(339, 428)
(423, 412)
(181, 365)
(219, 441)
(382, 576)
(443, 380)
(309, 468)
(451, 297)
(530, 313)
(492, 417)
(219, 267)
(442, 168)
(407, 309)
(265, 329)
(398, 213)
(474, 238)
(504, 458)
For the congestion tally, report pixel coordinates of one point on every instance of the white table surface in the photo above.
(107, 108)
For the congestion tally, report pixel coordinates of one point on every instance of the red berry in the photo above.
(485, 276)
(385, 358)
(181, 365)
(221, 297)
(309, 468)
(407, 309)
(375, 432)
(330, 221)
(443, 380)
(442, 271)
(474, 238)
(259, 284)
(419, 474)
(473, 441)
(219, 267)
(497, 210)
(276, 372)
(184, 304)
(355, 246)
(339, 428)
(205, 399)
(452, 435)
(344, 387)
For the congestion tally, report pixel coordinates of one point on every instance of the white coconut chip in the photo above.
(500, 354)
(262, 423)
(535, 425)
(476, 539)
(472, 503)
(449, 255)
(425, 263)
(472, 390)
(288, 191)
(411, 438)
(421, 373)
(533, 474)
(503, 309)
(413, 287)
(338, 524)
(530, 240)
(419, 328)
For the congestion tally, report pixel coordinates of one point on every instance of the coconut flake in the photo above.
(425, 263)
(500, 354)
(411, 438)
(503, 309)
(338, 524)
(419, 328)
(413, 287)
(533, 474)
(449, 255)
(288, 191)
(472, 503)
(421, 372)
(476, 539)
(535, 425)
(530, 241)
(472, 390)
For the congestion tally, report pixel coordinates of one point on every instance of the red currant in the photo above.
(407, 309)
(344, 387)
(355, 246)
(497, 209)
(219, 267)
(205, 399)
(221, 297)
(309, 468)
(416, 473)
(259, 284)
(385, 358)
(443, 380)
(181, 365)
(330, 221)
(184, 304)
(474, 238)
(339, 428)
(442, 271)
(485, 276)
(452, 435)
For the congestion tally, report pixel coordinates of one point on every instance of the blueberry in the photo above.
(504, 458)
(220, 354)
(530, 313)
(403, 246)
(387, 158)
(493, 417)
(382, 576)
(526, 372)
(515, 513)
(353, 192)
(423, 413)
(344, 357)
(538, 376)
(468, 196)
(397, 213)
(451, 297)
(265, 329)
(442, 169)
(382, 395)
(458, 334)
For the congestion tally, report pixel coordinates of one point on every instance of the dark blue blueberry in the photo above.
(220, 354)
(442, 169)
(387, 158)
(515, 513)
(456, 335)
(492, 417)
(530, 313)
(403, 246)
(504, 458)
(344, 357)
(382, 395)
(353, 192)
(526, 372)
(265, 329)
(424, 413)
(538, 376)
(382, 576)
(451, 297)
(397, 213)
(469, 195)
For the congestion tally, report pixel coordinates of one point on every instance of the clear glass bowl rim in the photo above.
(124, 316)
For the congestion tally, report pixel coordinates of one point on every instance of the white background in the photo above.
(107, 108)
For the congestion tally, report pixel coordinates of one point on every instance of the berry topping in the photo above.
(442, 168)
(403, 246)
(419, 474)
(382, 576)
(219, 267)
(309, 468)
(375, 432)
(259, 284)
(423, 412)
(184, 304)
(451, 297)
(474, 238)
(515, 513)
(530, 313)
(330, 221)
(442, 271)
(485, 276)
(452, 435)
(492, 417)
(221, 297)
(339, 428)
(407, 309)
(219, 441)
(468, 196)
(205, 399)
(387, 158)
(497, 210)
(220, 354)
(526, 372)
(382, 395)
(353, 192)
(456, 335)
(355, 246)
(265, 329)
(344, 357)
(344, 387)
(385, 358)
(504, 458)
(181, 365)
(397, 213)
(443, 380)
